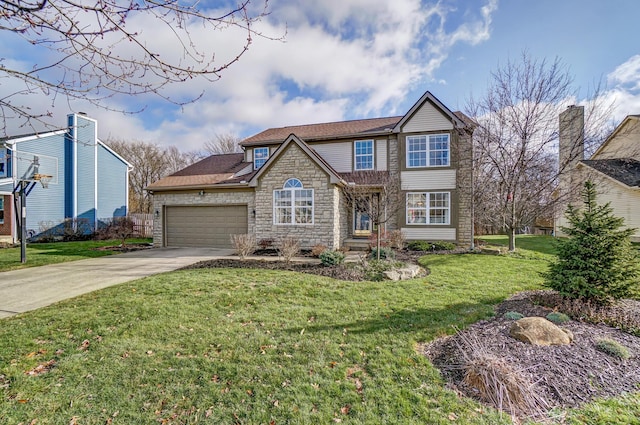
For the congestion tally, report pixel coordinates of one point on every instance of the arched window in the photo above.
(293, 204)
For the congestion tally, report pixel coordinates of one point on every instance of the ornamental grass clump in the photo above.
(613, 348)
(597, 261)
(557, 318)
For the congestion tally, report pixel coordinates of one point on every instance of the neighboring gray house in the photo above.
(289, 182)
(614, 167)
(88, 182)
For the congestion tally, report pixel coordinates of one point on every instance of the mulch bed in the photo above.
(564, 376)
(341, 273)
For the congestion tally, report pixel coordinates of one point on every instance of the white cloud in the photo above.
(340, 60)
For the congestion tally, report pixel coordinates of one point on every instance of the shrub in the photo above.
(243, 244)
(384, 239)
(288, 248)
(396, 239)
(597, 261)
(265, 243)
(318, 249)
(119, 228)
(431, 246)
(513, 315)
(374, 270)
(331, 258)
(557, 318)
(613, 348)
(385, 253)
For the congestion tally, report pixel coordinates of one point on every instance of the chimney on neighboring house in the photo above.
(571, 138)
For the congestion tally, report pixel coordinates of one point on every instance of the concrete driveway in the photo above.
(35, 287)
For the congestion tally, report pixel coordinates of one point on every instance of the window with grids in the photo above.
(363, 154)
(428, 150)
(1, 209)
(293, 204)
(428, 208)
(260, 156)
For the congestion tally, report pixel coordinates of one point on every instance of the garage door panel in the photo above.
(204, 226)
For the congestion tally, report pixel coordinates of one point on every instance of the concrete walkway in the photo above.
(35, 287)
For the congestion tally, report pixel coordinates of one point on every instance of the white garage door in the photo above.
(206, 226)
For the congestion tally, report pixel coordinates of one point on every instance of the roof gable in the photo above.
(629, 121)
(334, 177)
(429, 98)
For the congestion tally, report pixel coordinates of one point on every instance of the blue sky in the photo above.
(349, 59)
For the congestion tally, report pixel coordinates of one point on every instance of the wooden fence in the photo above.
(142, 224)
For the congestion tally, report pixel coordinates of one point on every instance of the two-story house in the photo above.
(290, 181)
(85, 180)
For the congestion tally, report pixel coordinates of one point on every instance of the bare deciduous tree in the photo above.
(223, 143)
(95, 49)
(150, 163)
(516, 142)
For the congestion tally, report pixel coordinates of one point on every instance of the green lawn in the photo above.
(243, 346)
(40, 254)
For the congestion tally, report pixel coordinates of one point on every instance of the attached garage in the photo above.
(204, 226)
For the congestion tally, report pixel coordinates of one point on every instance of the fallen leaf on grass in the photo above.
(84, 346)
(345, 409)
(41, 368)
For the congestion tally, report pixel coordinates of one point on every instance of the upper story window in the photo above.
(363, 155)
(428, 150)
(260, 156)
(428, 208)
(293, 204)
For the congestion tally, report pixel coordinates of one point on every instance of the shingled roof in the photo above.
(331, 130)
(216, 169)
(624, 170)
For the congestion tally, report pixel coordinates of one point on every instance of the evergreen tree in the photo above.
(597, 261)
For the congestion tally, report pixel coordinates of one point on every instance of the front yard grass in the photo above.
(41, 254)
(241, 346)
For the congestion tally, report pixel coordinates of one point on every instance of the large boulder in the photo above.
(539, 331)
(408, 271)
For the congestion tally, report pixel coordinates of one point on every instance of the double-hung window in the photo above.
(1, 209)
(428, 208)
(363, 154)
(293, 204)
(430, 150)
(260, 156)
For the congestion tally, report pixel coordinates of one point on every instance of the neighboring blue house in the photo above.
(89, 181)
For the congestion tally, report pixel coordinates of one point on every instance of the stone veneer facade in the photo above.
(464, 182)
(328, 227)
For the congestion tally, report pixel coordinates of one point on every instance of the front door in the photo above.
(362, 224)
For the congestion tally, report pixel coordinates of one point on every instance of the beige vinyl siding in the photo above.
(428, 180)
(338, 155)
(625, 203)
(429, 234)
(381, 155)
(626, 143)
(427, 118)
(249, 156)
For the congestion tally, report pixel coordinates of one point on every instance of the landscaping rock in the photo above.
(409, 271)
(539, 331)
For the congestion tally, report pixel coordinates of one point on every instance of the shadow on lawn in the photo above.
(435, 321)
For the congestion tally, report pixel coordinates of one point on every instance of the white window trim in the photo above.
(427, 209)
(427, 151)
(373, 155)
(256, 158)
(293, 204)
